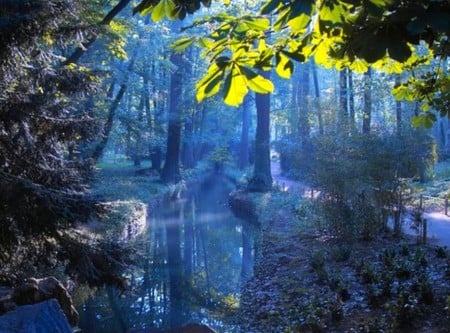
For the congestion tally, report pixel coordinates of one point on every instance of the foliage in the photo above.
(360, 177)
(387, 35)
(40, 128)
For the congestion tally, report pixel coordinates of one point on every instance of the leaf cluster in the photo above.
(384, 34)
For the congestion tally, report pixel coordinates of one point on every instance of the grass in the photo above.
(119, 182)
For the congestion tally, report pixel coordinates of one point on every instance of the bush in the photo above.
(361, 177)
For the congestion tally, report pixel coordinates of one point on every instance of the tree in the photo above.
(171, 169)
(357, 34)
(261, 180)
(367, 109)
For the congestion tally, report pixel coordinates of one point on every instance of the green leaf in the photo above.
(270, 6)
(424, 120)
(403, 92)
(258, 24)
(158, 11)
(257, 82)
(181, 44)
(399, 51)
(145, 7)
(359, 66)
(299, 22)
(235, 87)
(284, 66)
(209, 85)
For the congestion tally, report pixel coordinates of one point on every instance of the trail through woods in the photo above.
(438, 224)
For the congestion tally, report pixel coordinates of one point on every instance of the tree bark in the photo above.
(171, 170)
(244, 144)
(302, 104)
(317, 97)
(367, 110)
(398, 108)
(98, 150)
(351, 101)
(343, 109)
(79, 51)
(262, 177)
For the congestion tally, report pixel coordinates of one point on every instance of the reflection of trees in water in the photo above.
(189, 267)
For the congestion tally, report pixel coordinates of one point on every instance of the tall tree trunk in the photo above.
(188, 149)
(171, 170)
(155, 151)
(317, 97)
(98, 150)
(244, 144)
(351, 101)
(367, 109)
(343, 108)
(302, 104)
(261, 180)
(398, 108)
(138, 132)
(200, 145)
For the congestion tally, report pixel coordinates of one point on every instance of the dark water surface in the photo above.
(190, 267)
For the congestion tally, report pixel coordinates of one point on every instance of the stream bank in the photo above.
(308, 281)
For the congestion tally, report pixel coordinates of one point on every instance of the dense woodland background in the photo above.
(347, 95)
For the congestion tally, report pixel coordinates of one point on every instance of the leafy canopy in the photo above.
(384, 34)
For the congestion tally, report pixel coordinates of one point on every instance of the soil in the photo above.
(308, 281)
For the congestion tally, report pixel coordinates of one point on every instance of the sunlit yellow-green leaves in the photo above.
(162, 9)
(403, 92)
(117, 48)
(237, 81)
(210, 84)
(425, 119)
(284, 66)
(157, 9)
(181, 44)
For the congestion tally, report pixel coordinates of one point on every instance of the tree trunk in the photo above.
(317, 97)
(171, 170)
(343, 110)
(351, 101)
(302, 104)
(367, 110)
(244, 144)
(98, 150)
(188, 149)
(262, 177)
(138, 133)
(79, 51)
(398, 108)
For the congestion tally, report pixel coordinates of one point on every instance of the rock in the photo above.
(46, 316)
(38, 290)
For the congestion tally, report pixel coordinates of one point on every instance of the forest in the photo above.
(224, 166)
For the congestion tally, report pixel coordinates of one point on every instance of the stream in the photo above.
(191, 266)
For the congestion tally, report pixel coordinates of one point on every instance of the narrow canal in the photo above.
(190, 267)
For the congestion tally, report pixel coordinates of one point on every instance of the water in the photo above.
(190, 268)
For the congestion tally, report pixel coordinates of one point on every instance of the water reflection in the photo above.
(192, 264)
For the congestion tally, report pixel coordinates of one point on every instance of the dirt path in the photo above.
(438, 223)
(285, 183)
(438, 228)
